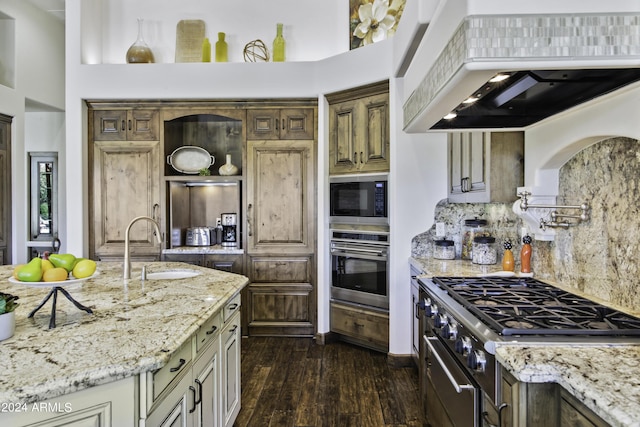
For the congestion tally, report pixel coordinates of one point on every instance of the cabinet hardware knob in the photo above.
(233, 306)
(355, 157)
(277, 124)
(177, 368)
(212, 330)
(249, 232)
(361, 158)
(233, 330)
(282, 124)
(130, 126)
(123, 126)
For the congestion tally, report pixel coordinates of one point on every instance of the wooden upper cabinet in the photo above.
(126, 125)
(485, 167)
(280, 196)
(359, 136)
(286, 123)
(126, 184)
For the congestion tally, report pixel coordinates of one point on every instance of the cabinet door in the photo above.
(342, 149)
(177, 409)
(207, 381)
(475, 149)
(280, 196)
(125, 185)
(290, 123)
(455, 163)
(230, 337)
(374, 146)
(297, 123)
(125, 125)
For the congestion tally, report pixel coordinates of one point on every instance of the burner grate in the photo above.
(526, 306)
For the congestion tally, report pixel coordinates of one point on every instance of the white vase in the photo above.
(7, 325)
(228, 168)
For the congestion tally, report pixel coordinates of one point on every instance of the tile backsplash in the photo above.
(599, 257)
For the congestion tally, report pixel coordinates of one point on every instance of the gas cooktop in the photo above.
(527, 306)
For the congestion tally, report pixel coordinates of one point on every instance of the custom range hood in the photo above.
(511, 71)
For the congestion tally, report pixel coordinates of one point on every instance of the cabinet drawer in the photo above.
(295, 270)
(231, 308)
(369, 327)
(208, 331)
(178, 363)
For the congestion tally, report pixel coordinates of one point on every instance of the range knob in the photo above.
(430, 309)
(463, 345)
(477, 360)
(449, 331)
(439, 320)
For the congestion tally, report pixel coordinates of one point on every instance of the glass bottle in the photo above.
(278, 45)
(484, 250)
(139, 52)
(206, 50)
(221, 48)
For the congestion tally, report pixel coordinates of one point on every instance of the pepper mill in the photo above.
(508, 263)
(525, 255)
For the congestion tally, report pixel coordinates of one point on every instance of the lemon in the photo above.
(84, 268)
(56, 274)
(47, 265)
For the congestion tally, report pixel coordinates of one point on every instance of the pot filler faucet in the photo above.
(127, 255)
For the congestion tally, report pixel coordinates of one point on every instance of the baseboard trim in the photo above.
(400, 360)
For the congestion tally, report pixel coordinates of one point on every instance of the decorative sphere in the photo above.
(256, 51)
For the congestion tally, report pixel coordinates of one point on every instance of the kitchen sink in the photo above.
(172, 274)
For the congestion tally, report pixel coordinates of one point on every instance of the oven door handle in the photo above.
(454, 383)
(357, 251)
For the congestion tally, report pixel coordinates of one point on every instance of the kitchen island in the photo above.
(602, 377)
(136, 331)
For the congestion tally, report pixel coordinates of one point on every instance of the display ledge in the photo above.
(211, 250)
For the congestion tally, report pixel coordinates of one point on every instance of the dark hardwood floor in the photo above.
(295, 382)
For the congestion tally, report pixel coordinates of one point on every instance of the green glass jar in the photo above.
(221, 48)
(278, 45)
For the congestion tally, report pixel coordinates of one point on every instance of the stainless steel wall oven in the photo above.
(360, 267)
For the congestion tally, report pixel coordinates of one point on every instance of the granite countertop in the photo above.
(133, 329)
(606, 378)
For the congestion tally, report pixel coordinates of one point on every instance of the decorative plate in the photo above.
(70, 281)
(190, 159)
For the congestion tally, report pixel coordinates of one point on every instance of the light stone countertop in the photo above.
(133, 329)
(605, 378)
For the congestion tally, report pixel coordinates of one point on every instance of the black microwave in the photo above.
(359, 199)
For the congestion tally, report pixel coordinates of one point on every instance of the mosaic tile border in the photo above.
(530, 37)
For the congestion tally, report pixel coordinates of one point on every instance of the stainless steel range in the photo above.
(464, 318)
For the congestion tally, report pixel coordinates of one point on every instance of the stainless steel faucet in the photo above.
(127, 255)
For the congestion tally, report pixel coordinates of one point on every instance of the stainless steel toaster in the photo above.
(198, 236)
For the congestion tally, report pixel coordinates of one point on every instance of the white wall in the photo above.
(39, 86)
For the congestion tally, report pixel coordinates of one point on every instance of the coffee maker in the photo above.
(229, 229)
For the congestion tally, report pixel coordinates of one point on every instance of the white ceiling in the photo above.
(55, 7)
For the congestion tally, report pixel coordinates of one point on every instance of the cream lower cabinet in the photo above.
(203, 391)
(110, 405)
